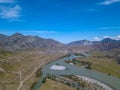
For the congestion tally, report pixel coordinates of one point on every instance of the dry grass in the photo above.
(103, 64)
(22, 61)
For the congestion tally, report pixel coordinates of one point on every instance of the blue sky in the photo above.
(62, 20)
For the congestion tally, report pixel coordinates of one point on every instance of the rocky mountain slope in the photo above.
(105, 44)
(21, 42)
(80, 43)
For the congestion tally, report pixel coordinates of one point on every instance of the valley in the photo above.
(59, 44)
(28, 63)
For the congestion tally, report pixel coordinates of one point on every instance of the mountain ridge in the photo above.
(19, 41)
(105, 44)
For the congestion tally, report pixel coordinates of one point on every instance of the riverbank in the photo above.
(93, 81)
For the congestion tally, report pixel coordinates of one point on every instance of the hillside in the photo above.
(20, 42)
(17, 66)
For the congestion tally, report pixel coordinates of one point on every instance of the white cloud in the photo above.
(30, 32)
(108, 28)
(96, 39)
(111, 37)
(114, 37)
(39, 32)
(10, 13)
(108, 37)
(7, 1)
(118, 37)
(109, 2)
(10, 10)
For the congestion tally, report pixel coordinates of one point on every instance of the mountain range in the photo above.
(105, 44)
(18, 41)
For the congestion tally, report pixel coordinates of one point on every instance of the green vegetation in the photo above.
(85, 64)
(39, 73)
(118, 59)
(31, 88)
(44, 80)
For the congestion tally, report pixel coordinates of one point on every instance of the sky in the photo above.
(62, 20)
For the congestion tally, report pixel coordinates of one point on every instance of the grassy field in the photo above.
(103, 63)
(24, 61)
(53, 85)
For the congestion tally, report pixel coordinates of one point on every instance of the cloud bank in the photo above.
(109, 2)
(7, 1)
(11, 12)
